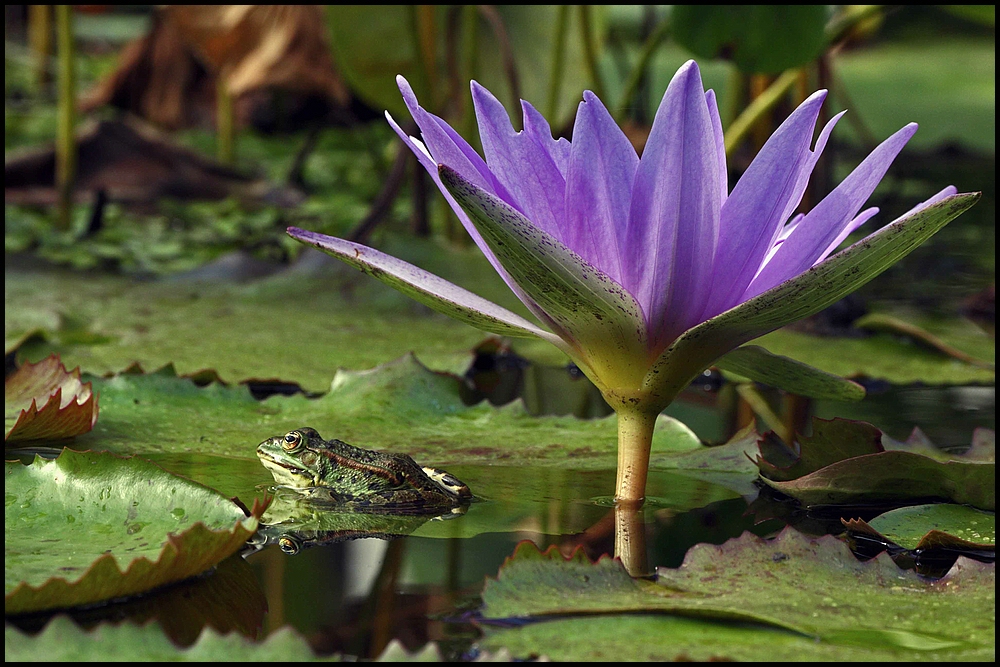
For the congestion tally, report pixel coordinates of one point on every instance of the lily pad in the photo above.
(845, 461)
(45, 402)
(765, 581)
(89, 527)
(910, 527)
(401, 406)
(926, 538)
(645, 637)
(888, 357)
(63, 640)
(309, 327)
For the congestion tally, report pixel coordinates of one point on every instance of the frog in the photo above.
(359, 479)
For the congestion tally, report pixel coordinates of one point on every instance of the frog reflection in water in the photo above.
(366, 480)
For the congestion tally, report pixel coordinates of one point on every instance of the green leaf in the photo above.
(644, 637)
(909, 526)
(884, 322)
(801, 296)
(757, 38)
(88, 527)
(766, 581)
(884, 356)
(63, 640)
(756, 363)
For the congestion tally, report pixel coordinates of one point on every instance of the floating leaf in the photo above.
(845, 461)
(68, 407)
(88, 527)
(659, 637)
(401, 406)
(63, 640)
(921, 527)
(883, 322)
(766, 581)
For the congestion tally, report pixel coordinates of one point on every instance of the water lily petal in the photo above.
(824, 223)
(720, 144)
(759, 365)
(601, 170)
(800, 297)
(425, 287)
(536, 127)
(471, 168)
(527, 170)
(596, 316)
(674, 220)
(445, 145)
(861, 219)
(765, 196)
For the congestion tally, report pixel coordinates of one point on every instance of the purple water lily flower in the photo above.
(647, 270)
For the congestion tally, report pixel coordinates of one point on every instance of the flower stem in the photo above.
(635, 435)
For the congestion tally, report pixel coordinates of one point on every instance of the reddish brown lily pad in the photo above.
(846, 462)
(68, 405)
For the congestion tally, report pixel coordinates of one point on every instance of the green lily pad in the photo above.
(400, 406)
(88, 527)
(888, 357)
(643, 637)
(765, 581)
(845, 461)
(908, 526)
(44, 401)
(63, 640)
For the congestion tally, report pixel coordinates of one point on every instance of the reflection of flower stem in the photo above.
(630, 540)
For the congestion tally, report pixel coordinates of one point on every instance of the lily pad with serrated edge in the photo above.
(63, 640)
(923, 529)
(44, 401)
(89, 527)
(775, 582)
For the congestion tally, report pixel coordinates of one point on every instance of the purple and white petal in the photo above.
(720, 144)
(673, 223)
(824, 223)
(767, 193)
(599, 180)
(591, 312)
(536, 127)
(521, 165)
(428, 163)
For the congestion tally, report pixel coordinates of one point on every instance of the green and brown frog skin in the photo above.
(359, 478)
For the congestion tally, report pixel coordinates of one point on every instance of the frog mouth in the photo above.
(286, 473)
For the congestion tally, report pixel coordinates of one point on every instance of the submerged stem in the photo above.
(635, 435)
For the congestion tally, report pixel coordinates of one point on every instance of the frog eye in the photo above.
(291, 441)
